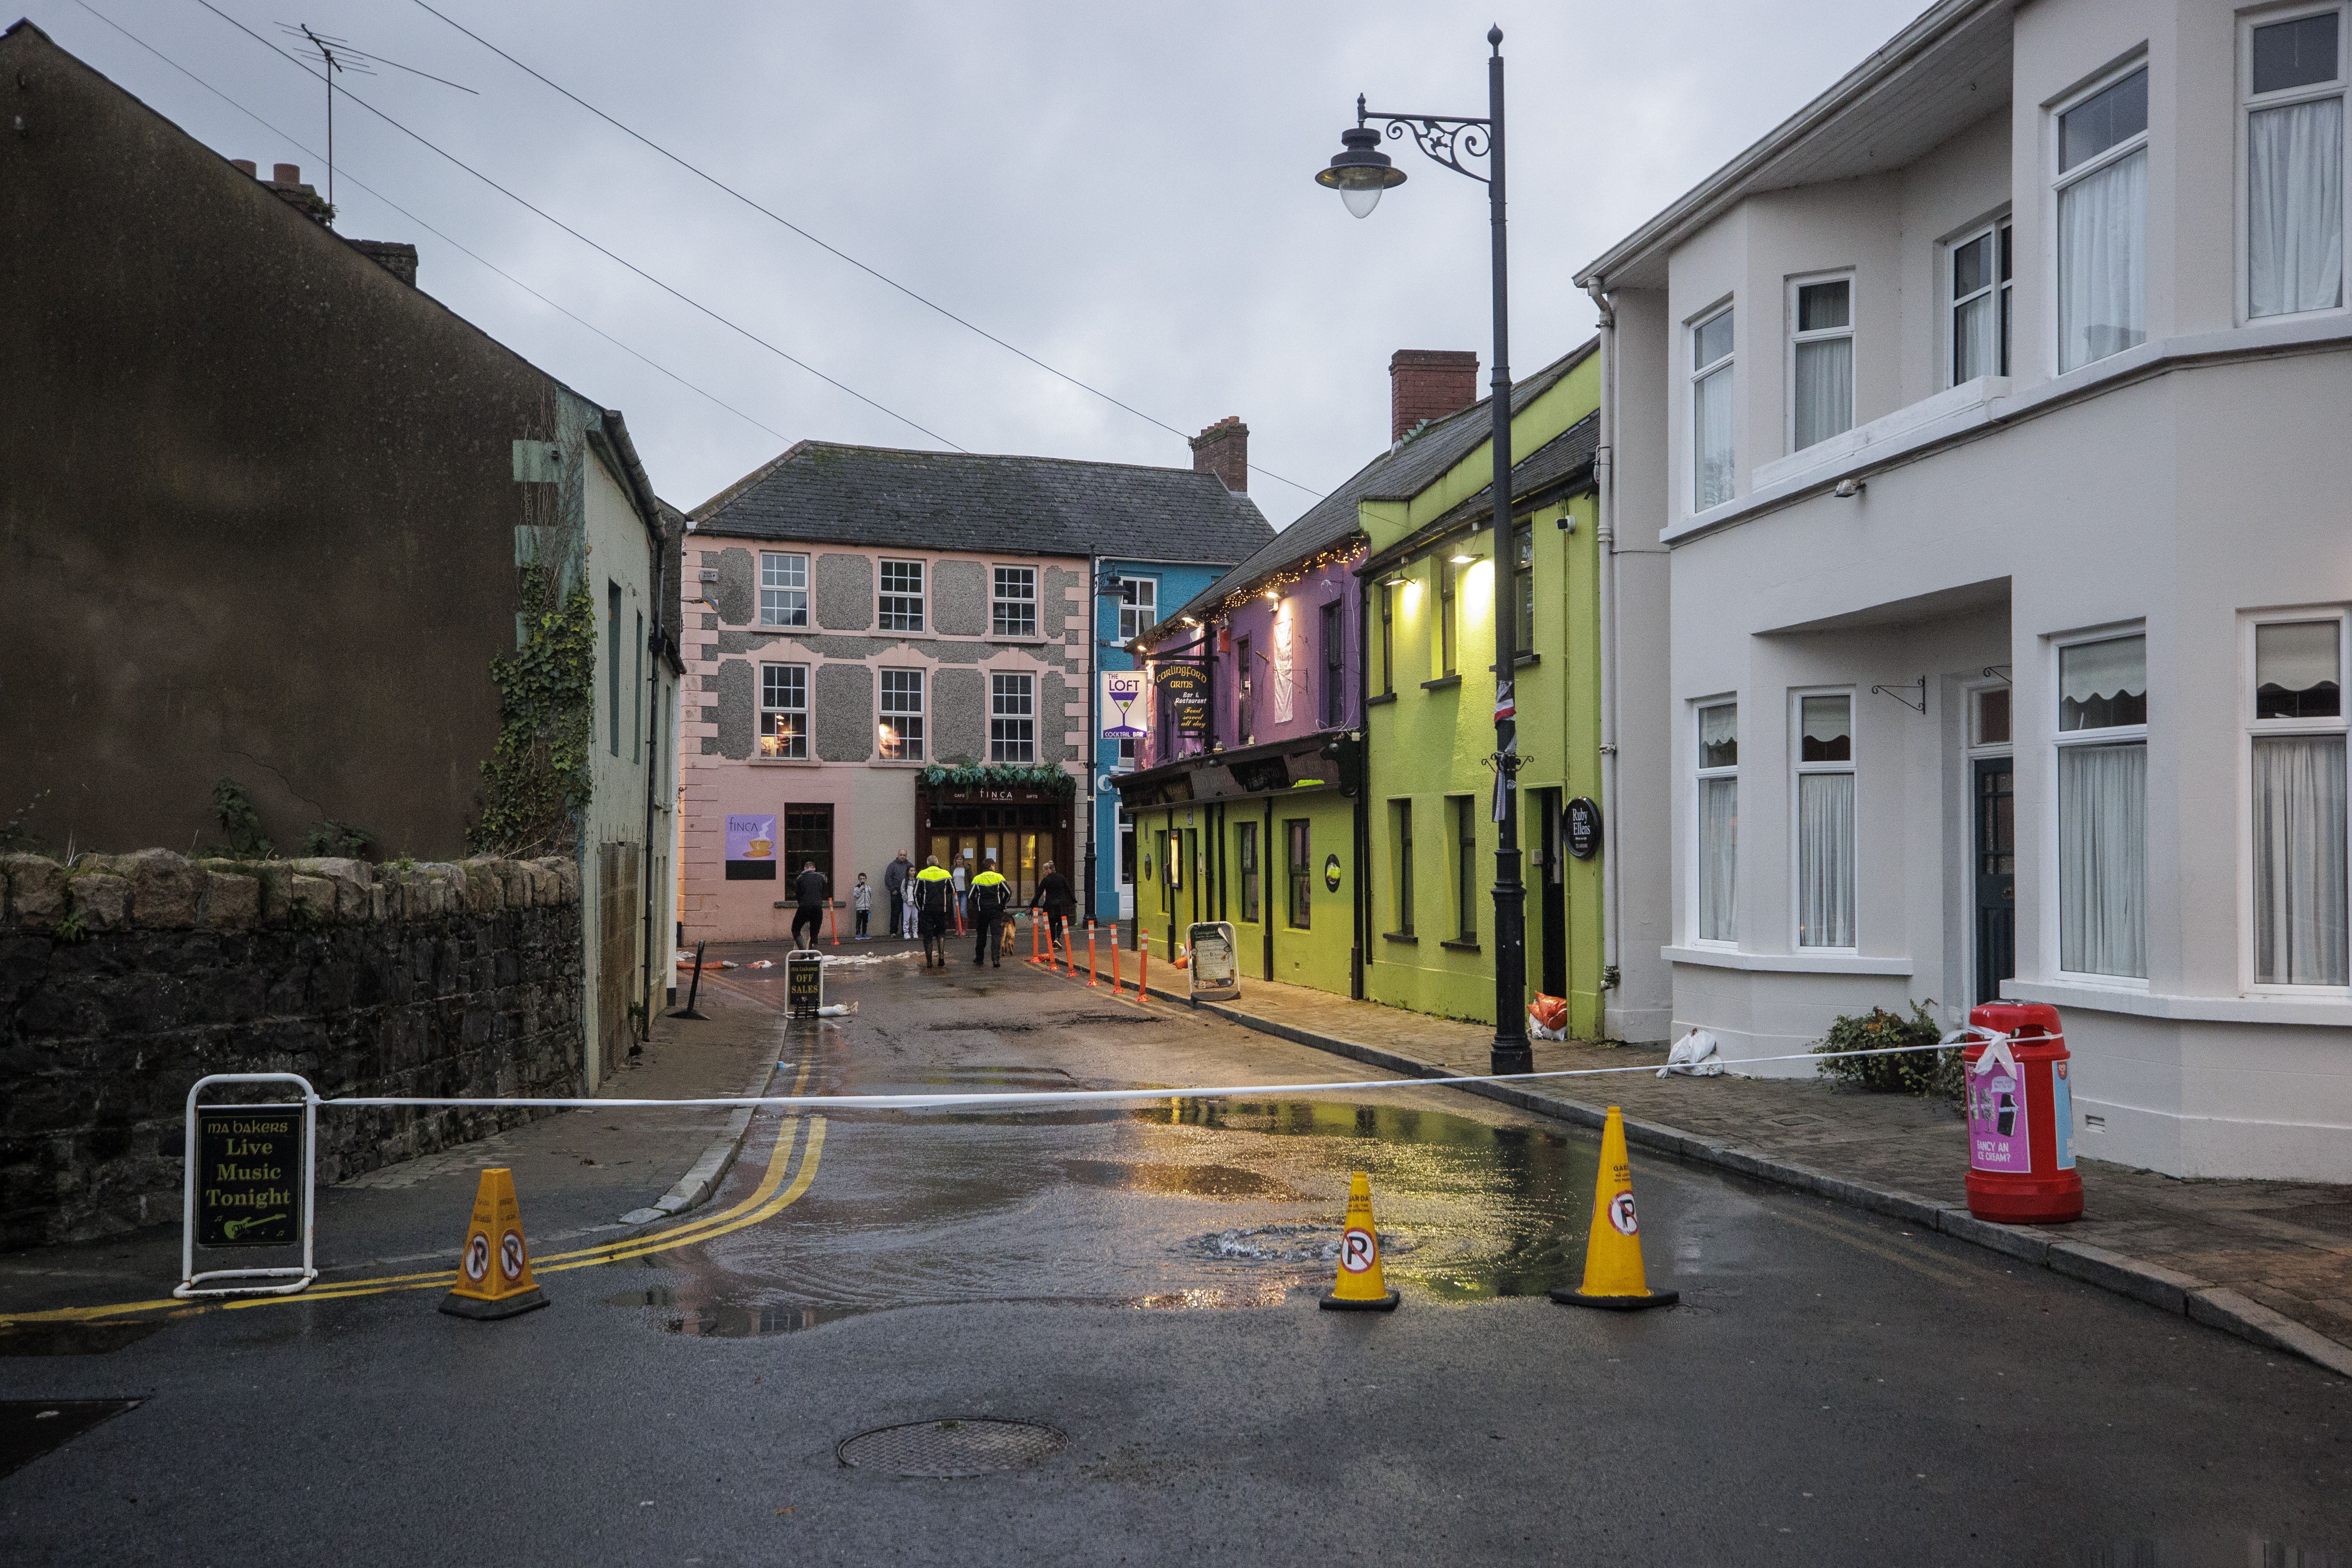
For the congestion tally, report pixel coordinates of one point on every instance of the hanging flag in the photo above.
(1503, 707)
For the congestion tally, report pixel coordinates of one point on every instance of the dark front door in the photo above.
(1551, 871)
(1996, 876)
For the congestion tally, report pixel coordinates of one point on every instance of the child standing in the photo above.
(861, 898)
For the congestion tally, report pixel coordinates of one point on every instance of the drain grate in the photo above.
(946, 1450)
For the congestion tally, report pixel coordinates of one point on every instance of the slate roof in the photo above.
(829, 492)
(1399, 473)
(1558, 459)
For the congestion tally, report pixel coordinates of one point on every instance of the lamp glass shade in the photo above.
(1361, 200)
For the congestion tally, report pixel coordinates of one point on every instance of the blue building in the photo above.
(1135, 592)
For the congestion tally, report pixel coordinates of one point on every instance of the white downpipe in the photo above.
(1605, 532)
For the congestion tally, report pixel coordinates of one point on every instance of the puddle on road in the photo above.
(1197, 1205)
(76, 1338)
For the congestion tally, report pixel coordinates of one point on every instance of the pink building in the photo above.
(892, 650)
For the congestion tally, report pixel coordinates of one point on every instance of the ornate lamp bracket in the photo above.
(1444, 138)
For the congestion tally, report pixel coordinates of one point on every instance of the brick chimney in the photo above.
(1428, 384)
(1222, 449)
(286, 183)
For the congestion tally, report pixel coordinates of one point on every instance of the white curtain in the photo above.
(2102, 262)
(1824, 390)
(1972, 339)
(2102, 859)
(1719, 859)
(2299, 905)
(1824, 859)
(2294, 207)
(1711, 440)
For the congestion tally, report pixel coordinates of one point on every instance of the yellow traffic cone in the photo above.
(494, 1271)
(1612, 1253)
(1360, 1288)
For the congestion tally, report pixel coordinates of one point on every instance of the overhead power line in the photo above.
(455, 244)
(717, 184)
(525, 203)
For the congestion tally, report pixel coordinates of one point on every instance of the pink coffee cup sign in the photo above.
(1997, 1136)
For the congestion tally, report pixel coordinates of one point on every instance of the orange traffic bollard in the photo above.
(1142, 960)
(1114, 959)
(1091, 978)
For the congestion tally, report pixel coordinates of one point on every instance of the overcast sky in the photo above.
(1124, 192)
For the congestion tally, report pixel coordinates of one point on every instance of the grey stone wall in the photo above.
(1054, 613)
(126, 978)
(1052, 724)
(844, 592)
(737, 592)
(960, 598)
(958, 716)
(842, 713)
(737, 712)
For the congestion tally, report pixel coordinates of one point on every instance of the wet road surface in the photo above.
(1140, 1281)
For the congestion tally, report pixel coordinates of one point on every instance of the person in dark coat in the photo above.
(809, 889)
(895, 877)
(1053, 896)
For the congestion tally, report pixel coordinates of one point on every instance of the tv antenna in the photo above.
(337, 58)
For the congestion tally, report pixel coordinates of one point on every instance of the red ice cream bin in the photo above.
(2021, 1112)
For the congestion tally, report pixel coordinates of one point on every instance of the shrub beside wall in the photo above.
(125, 978)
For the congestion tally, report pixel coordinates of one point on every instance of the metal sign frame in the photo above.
(803, 957)
(1224, 993)
(191, 1284)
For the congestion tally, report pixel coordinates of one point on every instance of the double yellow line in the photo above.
(770, 1198)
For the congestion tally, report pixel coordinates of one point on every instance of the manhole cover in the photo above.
(946, 1449)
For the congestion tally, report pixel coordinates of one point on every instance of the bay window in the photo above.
(1825, 791)
(2103, 807)
(2294, 81)
(1718, 822)
(2297, 735)
(2103, 222)
(1822, 348)
(1711, 441)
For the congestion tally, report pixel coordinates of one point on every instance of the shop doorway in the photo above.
(1552, 877)
(1996, 874)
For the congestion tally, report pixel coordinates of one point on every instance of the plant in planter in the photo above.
(1935, 1074)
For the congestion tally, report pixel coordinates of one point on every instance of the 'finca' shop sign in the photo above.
(248, 1191)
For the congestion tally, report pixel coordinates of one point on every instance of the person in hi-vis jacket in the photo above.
(985, 905)
(935, 901)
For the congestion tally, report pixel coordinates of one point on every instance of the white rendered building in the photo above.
(1994, 415)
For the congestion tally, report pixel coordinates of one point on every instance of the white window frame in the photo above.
(2249, 106)
(910, 747)
(2053, 929)
(1728, 365)
(1799, 768)
(1796, 284)
(2058, 182)
(891, 602)
(775, 568)
(1139, 606)
(998, 601)
(1003, 739)
(1700, 776)
(2250, 728)
(795, 748)
(2002, 291)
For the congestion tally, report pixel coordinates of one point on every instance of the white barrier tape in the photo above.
(1076, 1096)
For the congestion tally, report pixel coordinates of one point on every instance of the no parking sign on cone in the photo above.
(1613, 1278)
(494, 1271)
(1360, 1288)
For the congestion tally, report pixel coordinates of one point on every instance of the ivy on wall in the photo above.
(536, 782)
(1041, 777)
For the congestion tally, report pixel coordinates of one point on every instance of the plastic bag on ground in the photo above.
(1695, 1055)
(1547, 1017)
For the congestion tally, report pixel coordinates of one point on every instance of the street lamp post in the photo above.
(1360, 173)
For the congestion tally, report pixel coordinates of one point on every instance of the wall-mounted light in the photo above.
(1464, 560)
(1398, 581)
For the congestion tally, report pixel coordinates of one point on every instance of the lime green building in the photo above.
(1432, 566)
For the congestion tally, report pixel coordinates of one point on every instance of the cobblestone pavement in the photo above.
(2286, 1246)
